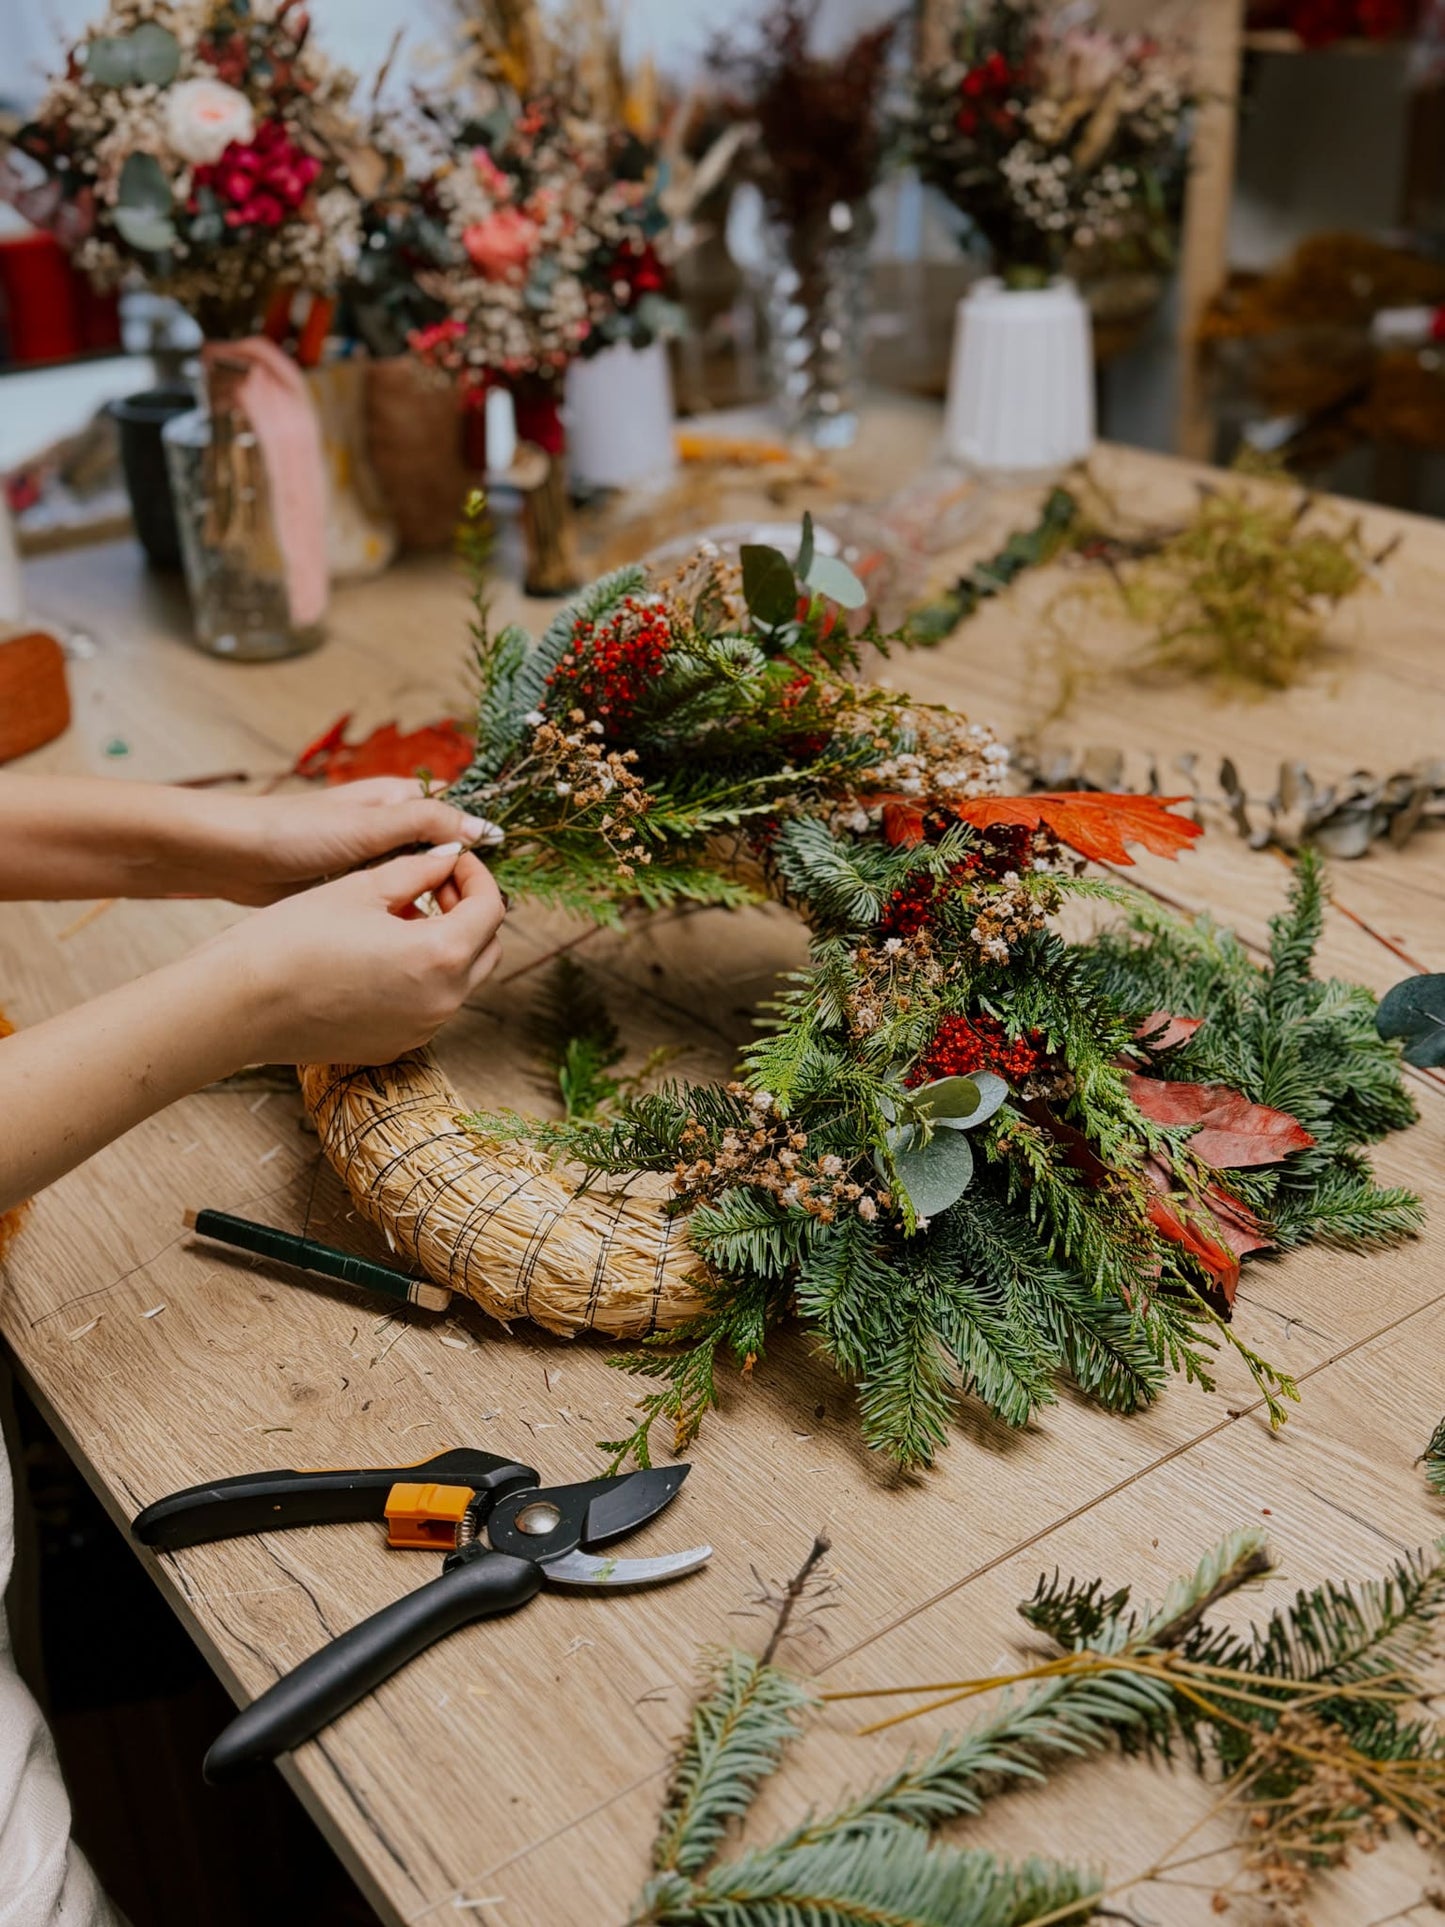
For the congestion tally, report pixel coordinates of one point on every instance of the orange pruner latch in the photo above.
(426, 1516)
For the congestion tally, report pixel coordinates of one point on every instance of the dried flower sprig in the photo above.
(819, 117)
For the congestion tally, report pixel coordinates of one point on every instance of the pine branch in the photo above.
(1434, 1458)
(747, 1714)
(1303, 1718)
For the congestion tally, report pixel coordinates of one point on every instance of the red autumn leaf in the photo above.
(1239, 1227)
(1161, 1031)
(902, 822)
(1218, 1229)
(1096, 824)
(1189, 1234)
(443, 750)
(313, 759)
(1232, 1133)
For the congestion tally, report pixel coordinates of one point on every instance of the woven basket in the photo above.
(498, 1221)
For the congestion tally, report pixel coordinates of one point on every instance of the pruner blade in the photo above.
(588, 1569)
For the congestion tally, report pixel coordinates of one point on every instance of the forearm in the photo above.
(69, 837)
(71, 1085)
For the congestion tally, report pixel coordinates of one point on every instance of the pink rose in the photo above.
(501, 246)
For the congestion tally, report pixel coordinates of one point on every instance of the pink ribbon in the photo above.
(278, 406)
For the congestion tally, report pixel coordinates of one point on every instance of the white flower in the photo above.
(203, 117)
(534, 719)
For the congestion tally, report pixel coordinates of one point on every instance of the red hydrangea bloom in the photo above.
(963, 1045)
(261, 181)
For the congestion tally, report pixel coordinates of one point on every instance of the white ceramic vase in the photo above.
(620, 418)
(1021, 384)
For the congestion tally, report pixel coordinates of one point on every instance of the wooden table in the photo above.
(513, 1774)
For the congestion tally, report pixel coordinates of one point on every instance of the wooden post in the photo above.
(1204, 241)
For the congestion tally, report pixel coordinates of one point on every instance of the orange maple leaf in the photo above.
(1097, 824)
(442, 749)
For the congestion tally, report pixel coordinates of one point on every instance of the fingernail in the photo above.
(481, 829)
(446, 849)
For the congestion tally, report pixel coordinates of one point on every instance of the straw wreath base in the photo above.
(498, 1221)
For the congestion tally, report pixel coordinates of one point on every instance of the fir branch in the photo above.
(746, 1715)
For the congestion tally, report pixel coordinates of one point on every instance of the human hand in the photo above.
(338, 974)
(259, 849)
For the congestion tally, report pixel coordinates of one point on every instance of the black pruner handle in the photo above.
(480, 1585)
(269, 1501)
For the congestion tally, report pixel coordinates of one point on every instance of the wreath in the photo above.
(968, 1154)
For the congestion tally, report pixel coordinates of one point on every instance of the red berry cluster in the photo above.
(611, 662)
(984, 96)
(963, 1045)
(916, 905)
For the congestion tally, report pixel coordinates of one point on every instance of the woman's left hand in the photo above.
(263, 848)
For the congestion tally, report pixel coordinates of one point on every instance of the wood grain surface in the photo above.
(513, 1773)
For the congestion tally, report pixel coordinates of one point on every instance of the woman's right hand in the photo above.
(340, 975)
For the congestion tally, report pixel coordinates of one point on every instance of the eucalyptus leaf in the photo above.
(1414, 1012)
(143, 184)
(962, 1103)
(936, 1174)
(110, 60)
(145, 229)
(805, 547)
(770, 588)
(155, 54)
(834, 579)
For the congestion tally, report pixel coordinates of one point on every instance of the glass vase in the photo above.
(234, 563)
(816, 300)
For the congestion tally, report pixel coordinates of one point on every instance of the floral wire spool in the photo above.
(497, 1222)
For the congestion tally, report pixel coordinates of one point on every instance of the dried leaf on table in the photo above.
(1232, 1133)
(1098, 826)
(1162, 1031)
(440, 750)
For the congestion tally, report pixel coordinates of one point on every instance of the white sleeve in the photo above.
(44, 1881)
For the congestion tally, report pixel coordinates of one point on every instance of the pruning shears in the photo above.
(505, 1536)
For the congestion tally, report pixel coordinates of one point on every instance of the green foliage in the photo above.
(871, 1861)
(834, 1181)
(740, 1725)
(1434, 1458)
(580, 1046)
(1414, 1012)
(1285, 1038)
(1025, 549)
